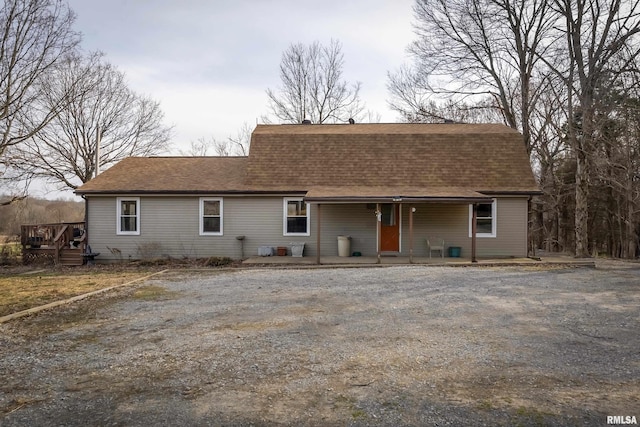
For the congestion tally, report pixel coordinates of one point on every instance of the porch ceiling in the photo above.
(379, 194)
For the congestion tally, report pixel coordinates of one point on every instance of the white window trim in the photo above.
(494, 222)
(119, 201)
(285, 201)
(209, 199)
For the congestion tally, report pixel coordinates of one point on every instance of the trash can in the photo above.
(454, 251)
(344, 246)
(297, 249)
(282, 251)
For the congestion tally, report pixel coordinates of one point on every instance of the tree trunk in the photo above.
(581, 211)
(631, 236)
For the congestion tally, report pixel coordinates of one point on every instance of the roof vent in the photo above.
(351, 121)
(306, 122)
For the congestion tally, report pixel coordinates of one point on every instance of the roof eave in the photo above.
(426, 199)
(182, 192)
(512, 192)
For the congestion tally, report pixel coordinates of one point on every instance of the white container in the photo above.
(297, 249)
(265, 250)
(344, 246)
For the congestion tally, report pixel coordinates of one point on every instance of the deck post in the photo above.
(474, 217)
(318, 235)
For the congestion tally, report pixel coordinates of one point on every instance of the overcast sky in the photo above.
(209, 62)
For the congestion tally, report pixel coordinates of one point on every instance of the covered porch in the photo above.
(393, 210)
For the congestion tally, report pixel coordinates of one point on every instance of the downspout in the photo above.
(86, 222)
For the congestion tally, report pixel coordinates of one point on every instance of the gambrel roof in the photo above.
(344, 161)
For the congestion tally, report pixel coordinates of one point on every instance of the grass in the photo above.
(152, 292)
(9, 251)
(20, 292)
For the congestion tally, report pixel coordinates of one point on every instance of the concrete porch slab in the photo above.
(404, 260)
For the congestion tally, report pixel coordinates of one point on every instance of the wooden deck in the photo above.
(62, 243)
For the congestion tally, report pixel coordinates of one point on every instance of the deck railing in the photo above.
(51, 239)
(48, 235)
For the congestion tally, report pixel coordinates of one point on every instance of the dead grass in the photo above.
(152, 292)
(23, 291)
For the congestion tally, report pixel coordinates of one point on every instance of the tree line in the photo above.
(33, 210)
(563, 72)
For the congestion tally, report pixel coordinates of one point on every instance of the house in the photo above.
(387, 186)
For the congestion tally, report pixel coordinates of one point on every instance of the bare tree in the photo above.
(100, 108)
(198, 148)
(241, 141)
(475, 52)
(234, 145)
(35, 36)
(312, 86)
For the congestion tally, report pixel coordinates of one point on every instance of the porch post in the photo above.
(379, 228)
(411, 210)
(318, 235)
(474, 216)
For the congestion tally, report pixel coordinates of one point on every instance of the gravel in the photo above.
(354, 346)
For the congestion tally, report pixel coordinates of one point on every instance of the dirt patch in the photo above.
(366, 346)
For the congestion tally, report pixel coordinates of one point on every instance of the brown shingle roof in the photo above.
(170, 175)
(485, 157)
(340, 159)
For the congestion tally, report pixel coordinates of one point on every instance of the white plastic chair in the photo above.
(438, 245)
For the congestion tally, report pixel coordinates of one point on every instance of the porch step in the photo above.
(71, 257)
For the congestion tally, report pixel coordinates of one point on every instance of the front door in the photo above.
(390, 228)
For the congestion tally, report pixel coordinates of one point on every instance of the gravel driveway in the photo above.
(364, 346)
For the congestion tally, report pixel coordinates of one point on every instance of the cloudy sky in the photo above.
(209, 62)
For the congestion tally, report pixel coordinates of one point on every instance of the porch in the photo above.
(62, 243)
(352, 261)
(402, 218)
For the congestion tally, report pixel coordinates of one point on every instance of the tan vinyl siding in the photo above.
(169, 227)
(353, 220)
(511, 234)
(443, 221)
(451, 223)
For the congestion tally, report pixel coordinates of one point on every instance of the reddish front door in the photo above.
(390, 228)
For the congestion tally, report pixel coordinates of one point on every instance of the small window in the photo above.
(211, 217)
(128, 216)
(388, 214)
(296, 217)
(485, 219)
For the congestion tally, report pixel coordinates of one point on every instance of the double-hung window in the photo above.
(128, 216)
(210, 217)
(296, 217)
(485, 219)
